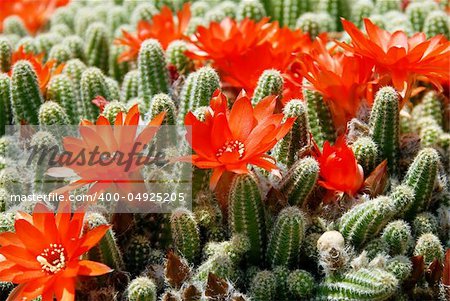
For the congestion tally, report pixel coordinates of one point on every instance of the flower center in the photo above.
(230, 147)
(53, 259)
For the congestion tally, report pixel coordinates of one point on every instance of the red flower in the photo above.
(43, 255)
(230, 140)
(341, 79)
(164, 27)
(339, 170)
(242, 51)
(400, 58)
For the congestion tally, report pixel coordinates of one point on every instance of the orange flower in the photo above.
(341, 79)
(43, 255)
(230, 140)
(115, 163)
(339, 170)
(241, 51)
(400, 58)
(164, 27)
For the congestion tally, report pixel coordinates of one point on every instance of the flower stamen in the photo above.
(52, 259)
(230, 147)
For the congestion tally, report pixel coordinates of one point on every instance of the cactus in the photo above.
(5, 102)
(400, 266)
(286, 238)
(397, 235)
(366, 153)
(432, 107)
(300, 180)
(430, 136)
(26, 96)
(384, 125)
(63, 15)
(141, 289)
(176, 57)
(116, 17)
(360, 10)
(424, 222)
(246, 214)
(112, 109)
(76, 46)
(74, 69)
(163, 103)
(43, 142)
(130, 85)
(185, 234)
(197, 91)
(286, 12)
(310, 23)
(376, 247)
(421, 177)
(263, 286)
(429, 246)
(51, 113)
(269, 83)
(417, 12)
(252, 9)
(301, 284)
(5, 55)
(143, 12)
(398, 21)
(97, 46)
(93, 84)
(113, 88)
(28, 44)
(61, 90)
(60, 53)
(437, 23)
(199, 8)
(61, 29)
(137, 254)
(14, 25)
(83, 20)
(107, 251)
(153, 74)
(220, 265)
(117, 70)
(363, 284)
(10, 180)
(7, 221)
(44, 42)
(228, 7)
(382, 7)
(337, 9)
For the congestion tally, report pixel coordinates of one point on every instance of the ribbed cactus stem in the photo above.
(400, 266)
(429, 246)
(252, 9)
(382, 7)
(51, 113)
(74, 69)
(425, 222)
(112, 109)
(163, 103)
(42, 142)
(106, 251)
(117, 70)
(366, 153)
(116, 17)
(60, 53)
(300, 180)
(76, 46)
(61, 90)
(421, 177)
(97, 46)
(5, 102)
(360, 10)
(137, 254)
(417, 12)
(14, 25)
(26, 97)
(113, 88)
(153, 73)
(432, 107)
(384, 125)
(142, 289)
(176, 57)
(337, 9)
(61, 29)
(287, 11)
(269, 83)
(300, 284)
(397, 235)
(437, 23)
(263, 286)
(130, 86)
(5, 55)
(246, 214)
(185, 234)
(143, 12)
(44, 42)
(286, 150)
(286, 238)
(310, 23)
(28, 44)
(93, 84)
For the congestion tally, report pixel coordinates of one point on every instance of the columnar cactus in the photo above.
(366, 153)
(61, 29)
(336, 9)
(142, 289)
(429, 246)
(137, 254)
(384, 125)
(83, 20)
(424, 222)
(44, 42)
(309, 22)
(362, 284)
(286, 150)
(112, 109)
(436, 23)
(163, 103)
(14, 25)
(400, 266)
(60, 53)
(97, 46)
(185, 234)
(63, 15)
(74, 69)
(116, 17)
(107, 251)
(252, 9)
(5, 102)
(93, 84)
(286, 238)
(382, 7)
(76, 46)
(286, 12)
(5, 55)
(360, 10)
(432, 107)
(397, 235)
(319, 117)
(246, 214)
(300, 180)
(263, 286)
(300, 284)
(269, 83)
(130, 86)
(26, 97)
(51, 113)
(117, 70)
(28, 44)
(113, 88)
(143, 12)
(61, 90)
(176, 57)
(421, 177)
(417, 12)
(153, 73)
(42, 142)
(228, 7)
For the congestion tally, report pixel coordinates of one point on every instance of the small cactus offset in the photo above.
(153, 73)
(286, 151)
(400, 266)
(310, 23)
(137, 254)
(424, 222)
(107, 251)
(74, 70)
(112, 109)
(5, 55)
(286, 238)
(76, 46)
(252, 9)
(60, 54)
(301, 284)
(185, 233)
(263, 286)
(61, 90)
(97, 46)
(130, 86)
(93, 84)
(382, 7)
(300, 180)
(26, 97)
(113, 88)
(397, 235)
(269, 83)
(176, 57)
(42, 141)
(246, 214)
(429, 246)
(384, 125)
(366, 153)
(51, 113)
(437, 23)
(142, 289)
(163, 103)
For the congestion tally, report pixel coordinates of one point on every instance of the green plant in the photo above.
(117, 69)
(367, 153)
(397, 235)
(263, 286)
(141, 289)
(5, 102)
(93, 84)
(14, 25)
(429, 246)
(252, 9)
(400, 266)
(185, 234)
(436, 23)
(60, 53)
(300, 284)
(360, 10)
(287, 11)
(5, 55)
(424, 222)
(336, 9)
(176, 57)
(137, 254)
(269, 83)
(112, 109)
(97, 46)
(51, 113)
(61, 90)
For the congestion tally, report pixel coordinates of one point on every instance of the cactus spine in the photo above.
(432, 107)
(76, 46)
(286, 238)
(361, 9)
(185, 234)
(74, 69)
(117, 70)
(5, 55)
(97, 46)
(137, 254)
(263, 286)
(429, 246)
(93, 84)
(5, 102)
(425, 223)
(163, 103)
(60, 53)
(301, 284)
(384, 125)
(382, 7)
(366, 153)
(176, 57)
(300, 180)
(309, 22)
(14, 25)
(269, 83)
(26, 96)
(112, 109)
(51, 113)
(397, 236)
(437, 23)
(246, 214)
(61, 90)
(141, 289)
(417, 13)
(130, 85)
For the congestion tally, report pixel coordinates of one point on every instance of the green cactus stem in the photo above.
(185, 233)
